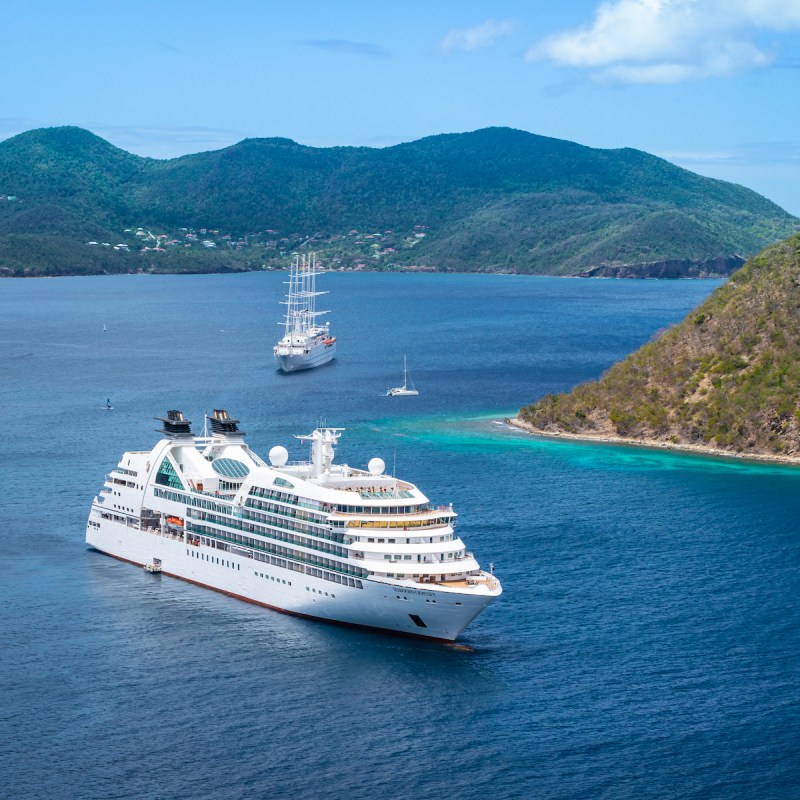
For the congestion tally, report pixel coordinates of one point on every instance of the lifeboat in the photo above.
(329, 341)
(175, 521)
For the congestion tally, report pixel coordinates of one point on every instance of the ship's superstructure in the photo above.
(305, 343)
(313, 538)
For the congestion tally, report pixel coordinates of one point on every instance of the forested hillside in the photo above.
(496, 199)
(728, 376)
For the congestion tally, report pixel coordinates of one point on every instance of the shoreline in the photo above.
(652, 444)
(7, 273)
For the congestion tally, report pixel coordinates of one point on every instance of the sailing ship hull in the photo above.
(370, 604)
(316, 356)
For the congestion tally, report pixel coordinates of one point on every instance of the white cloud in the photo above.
(669, 41)
(349, 47)
(755, 154)
(483, 35)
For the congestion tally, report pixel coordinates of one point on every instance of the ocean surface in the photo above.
(647, 644)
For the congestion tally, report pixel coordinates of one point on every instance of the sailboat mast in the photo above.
(312, 288)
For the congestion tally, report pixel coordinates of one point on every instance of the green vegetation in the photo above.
(728, 376)
(493, 200)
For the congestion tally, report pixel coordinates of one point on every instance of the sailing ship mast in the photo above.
(301, 302)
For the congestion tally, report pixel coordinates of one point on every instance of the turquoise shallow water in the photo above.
(647, 644)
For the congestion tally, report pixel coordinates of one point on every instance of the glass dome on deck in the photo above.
(230, 468)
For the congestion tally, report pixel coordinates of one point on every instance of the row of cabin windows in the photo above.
(428, 578)
(442, 556)
(273, 578)
(291, 499)
(396, 510)
(333, 577)
(292, 511)
(275, 516)
(408, 540)
(270, 533)
(129, 521)
(213, 559)
(319, 591)
(198, 528)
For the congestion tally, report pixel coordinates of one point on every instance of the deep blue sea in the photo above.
(647, 644)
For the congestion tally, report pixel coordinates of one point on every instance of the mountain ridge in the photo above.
(496, 199)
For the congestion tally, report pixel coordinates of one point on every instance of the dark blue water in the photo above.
(647, 644)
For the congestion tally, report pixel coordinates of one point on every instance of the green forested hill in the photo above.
(494, 199)
(727, 376)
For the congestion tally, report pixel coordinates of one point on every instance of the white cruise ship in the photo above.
(312, 538)
(305, 344)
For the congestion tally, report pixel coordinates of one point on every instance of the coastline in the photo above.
(653, 444)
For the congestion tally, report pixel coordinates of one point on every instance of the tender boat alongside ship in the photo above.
(316, 539)
(305, 344)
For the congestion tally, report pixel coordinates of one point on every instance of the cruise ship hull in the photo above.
(295, 361)
(440, 616)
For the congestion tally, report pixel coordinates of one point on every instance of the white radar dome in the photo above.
(376, 466)
(278, 456)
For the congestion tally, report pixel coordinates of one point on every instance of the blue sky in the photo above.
(711, 85)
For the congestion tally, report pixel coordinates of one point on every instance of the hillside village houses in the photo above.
(354, 250)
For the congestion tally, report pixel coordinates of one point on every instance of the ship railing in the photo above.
(476, 578)
(379, 516)
(225, 495)
(156, 531)
(312, 505)
(385, 494)
(240, 512)
(280, 510)
(173, 536)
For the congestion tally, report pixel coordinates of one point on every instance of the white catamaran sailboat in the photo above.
(305, 344)
(403, 390)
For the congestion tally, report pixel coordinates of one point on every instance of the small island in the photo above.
(725, 380)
